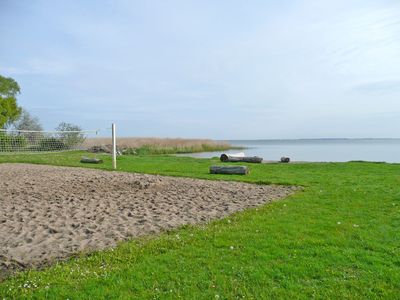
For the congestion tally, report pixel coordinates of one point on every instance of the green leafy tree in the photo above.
(70, 134)
(28, 122)
(9, 109)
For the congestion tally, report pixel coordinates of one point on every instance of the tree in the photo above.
(28, 122)
(9, 110)
(70, 134)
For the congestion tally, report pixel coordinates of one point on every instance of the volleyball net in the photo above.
(13, 140)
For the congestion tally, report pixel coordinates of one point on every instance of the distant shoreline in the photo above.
(314, 139)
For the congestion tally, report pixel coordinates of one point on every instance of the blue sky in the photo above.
(217, 69)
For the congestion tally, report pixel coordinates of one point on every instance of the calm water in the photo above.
(333, 150)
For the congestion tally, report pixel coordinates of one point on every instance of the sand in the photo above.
(49, 213)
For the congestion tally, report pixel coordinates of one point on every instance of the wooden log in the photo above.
(237, 170)
(88, 160)
(248, 159)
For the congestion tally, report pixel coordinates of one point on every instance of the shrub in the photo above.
(4, 142)
(12, 142)
(70, 134)
(130, 151)
(28, 122)
(51, 144)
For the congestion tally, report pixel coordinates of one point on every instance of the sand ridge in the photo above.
(49, 213)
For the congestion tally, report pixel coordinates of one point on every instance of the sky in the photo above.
(224, 69)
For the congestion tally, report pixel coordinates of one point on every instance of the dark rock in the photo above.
(285, 159)
(100, 149)
(104, 149)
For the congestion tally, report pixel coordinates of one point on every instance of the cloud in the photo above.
(269, 69)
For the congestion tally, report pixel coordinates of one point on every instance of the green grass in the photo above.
(339, 238)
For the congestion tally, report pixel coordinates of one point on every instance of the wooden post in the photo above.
(114, 147)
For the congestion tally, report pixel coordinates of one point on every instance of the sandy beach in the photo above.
(49, 213)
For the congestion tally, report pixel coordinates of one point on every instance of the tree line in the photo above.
(21, 130)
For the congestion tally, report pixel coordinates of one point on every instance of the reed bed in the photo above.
(148, 145)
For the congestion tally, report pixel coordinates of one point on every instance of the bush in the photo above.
(9, 143)
(129, 151)
(27, 122)
(51, 144)
(70, 134)
(18, 142)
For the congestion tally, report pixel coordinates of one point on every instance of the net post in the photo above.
(114, 147)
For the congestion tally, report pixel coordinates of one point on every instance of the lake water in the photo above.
(319, 150)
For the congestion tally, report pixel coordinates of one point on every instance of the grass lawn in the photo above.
(339, 238)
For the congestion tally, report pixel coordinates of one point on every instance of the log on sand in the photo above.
(236, 170)
(88, 160)
(249, 159)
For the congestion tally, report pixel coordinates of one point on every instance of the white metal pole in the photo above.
(114, 147)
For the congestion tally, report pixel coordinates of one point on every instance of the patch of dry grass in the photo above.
(132, 142)
(148, 145)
